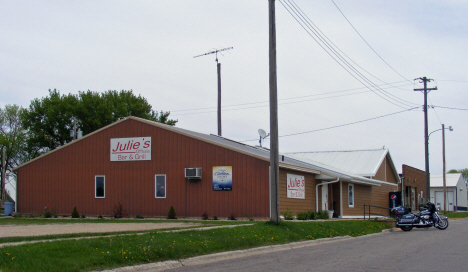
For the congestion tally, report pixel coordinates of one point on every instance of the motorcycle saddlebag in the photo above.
(401, 210)
(406, 219)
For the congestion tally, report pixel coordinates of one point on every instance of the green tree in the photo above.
(464, 172)
(51, 118)
(49, 121)
(13, 138)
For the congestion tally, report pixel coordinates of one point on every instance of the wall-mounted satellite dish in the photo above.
(263, 135)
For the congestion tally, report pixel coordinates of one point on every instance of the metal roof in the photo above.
(360, 162)
(451, 180)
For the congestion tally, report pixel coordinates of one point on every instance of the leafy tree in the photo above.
(13, 138)
(51, 118)
(464, 172)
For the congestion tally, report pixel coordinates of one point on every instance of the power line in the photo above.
(432, 107)
(368, 43)
(332, 51)
(359, 74)
(338, 126)
(454, 80)
(285, 103)
(297, 97)
(450, 108)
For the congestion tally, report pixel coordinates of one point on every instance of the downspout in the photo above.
(341, 199)
(316, 191)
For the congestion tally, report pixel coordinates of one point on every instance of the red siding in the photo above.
(65, 178)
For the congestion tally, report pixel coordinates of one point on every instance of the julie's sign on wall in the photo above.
(130, 149)
(296, 186)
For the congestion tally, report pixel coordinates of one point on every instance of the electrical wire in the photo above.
(337, 48)
(432, 107)
(317, 35)
(368, 43)
(338, 126)
(262, 106)
(450, 108)
(296, 97)
(326, 40)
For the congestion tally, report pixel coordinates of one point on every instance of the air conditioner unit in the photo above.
(193, 173)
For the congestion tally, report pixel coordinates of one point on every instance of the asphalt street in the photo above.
(417, 250)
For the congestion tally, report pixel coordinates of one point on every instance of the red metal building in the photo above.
(142, 164)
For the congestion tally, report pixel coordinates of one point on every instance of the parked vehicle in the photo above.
(427, 217)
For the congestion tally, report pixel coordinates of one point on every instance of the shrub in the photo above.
(118, 211)
(83, 216)
(288, 215)
(100, 217)
(171, 214)
(302, 216)
(323, 215)
(138, 216)
(75, 213)
(249, 216)
(204, 216)
(232, 217)
(215, 217)
(312, 215)
(48, 214)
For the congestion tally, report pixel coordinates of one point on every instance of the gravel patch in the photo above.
(53, 229)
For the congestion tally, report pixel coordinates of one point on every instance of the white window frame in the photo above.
(156, 185)
(95, 186)
(351, 188)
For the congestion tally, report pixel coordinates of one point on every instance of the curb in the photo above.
(230, 255)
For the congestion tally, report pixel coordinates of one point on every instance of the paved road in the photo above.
(417, 250)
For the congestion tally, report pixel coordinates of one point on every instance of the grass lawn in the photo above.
(109, 252)
(455, 214)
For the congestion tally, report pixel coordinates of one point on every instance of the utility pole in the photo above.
(443, 167)
(274, 153)
(219, 97)
(218, 66)
(3, 174)
(426, 137)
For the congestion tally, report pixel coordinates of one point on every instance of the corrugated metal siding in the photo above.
(65, 178)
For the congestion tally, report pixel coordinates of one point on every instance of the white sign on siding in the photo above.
(130, 149)
(295, 186)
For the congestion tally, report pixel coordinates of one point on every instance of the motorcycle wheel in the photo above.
(443, 224)
(406, 228)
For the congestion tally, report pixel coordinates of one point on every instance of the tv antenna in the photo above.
(263, 135)
(219, 81)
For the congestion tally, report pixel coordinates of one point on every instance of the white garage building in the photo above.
(457, 197)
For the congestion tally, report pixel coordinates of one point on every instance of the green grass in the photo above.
(455, 214)
(109, 252)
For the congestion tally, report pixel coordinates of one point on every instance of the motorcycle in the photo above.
(426, 218)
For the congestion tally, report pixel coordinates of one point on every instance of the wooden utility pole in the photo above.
(219, 97)
(443, 167)
(274, 153)
(426, 137)
(3, 174)
(218, 66)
